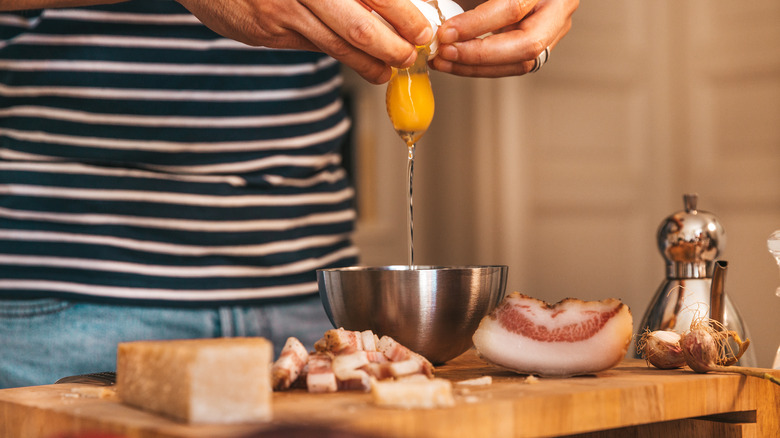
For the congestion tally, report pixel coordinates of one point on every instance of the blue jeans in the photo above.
(42, 340)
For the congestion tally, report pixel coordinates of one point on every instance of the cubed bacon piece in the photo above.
(340, 341)
(320, 377)
(376, 357)
(345, 364)
(406, 367)
(321, 345)
(379, 371)
(397, 353)
(289, 365)
(392, 349)
(369, 340)
(360, 381)
(300, 382)
(427, 366)
(348, 372)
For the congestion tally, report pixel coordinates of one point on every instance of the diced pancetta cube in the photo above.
(300, 382)
(369, 340)
(345, 364)
(340, 341)
(321, 377)
(379, 371)
(397, 353)
(406, 367)
(392, 349)
(376, 357)
(347, 368)
(358, 380)
(289, 365)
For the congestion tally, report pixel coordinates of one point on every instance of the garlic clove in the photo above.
(701, 349)
(662, 349)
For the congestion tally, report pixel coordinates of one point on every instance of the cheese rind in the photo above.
(224, 380)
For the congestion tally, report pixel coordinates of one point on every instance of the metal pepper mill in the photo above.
(690, 241)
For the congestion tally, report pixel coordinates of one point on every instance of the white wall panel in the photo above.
(566, 174)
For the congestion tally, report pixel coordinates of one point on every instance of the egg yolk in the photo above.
(409, 101)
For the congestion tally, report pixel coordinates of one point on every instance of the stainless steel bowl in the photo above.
(433, 310)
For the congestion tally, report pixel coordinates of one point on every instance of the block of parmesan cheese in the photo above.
(415, 392)
(223, 380)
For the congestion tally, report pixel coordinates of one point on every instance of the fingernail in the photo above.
(424, 37)
(448, 52)
(448, 35)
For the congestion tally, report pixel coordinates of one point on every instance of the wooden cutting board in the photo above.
(630, 400)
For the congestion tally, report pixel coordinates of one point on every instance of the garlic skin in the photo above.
(662, 349)
(447, 8)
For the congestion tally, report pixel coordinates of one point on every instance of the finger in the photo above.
(291, 39)
(324, 39)
(489, 71)
(371, 69)
(480, 71)
(487, 17)
(362, 30)
(524, 41)
(498, 49)
(407, 20)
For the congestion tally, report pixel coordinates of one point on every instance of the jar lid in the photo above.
(690, 241)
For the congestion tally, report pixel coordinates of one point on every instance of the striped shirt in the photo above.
(145, 158)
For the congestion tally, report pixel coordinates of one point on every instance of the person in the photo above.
(172, 169)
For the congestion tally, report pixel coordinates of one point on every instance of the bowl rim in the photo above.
(414, 268)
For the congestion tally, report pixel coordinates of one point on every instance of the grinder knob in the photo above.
(690, 241)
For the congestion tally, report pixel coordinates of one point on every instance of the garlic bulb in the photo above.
(701, 349)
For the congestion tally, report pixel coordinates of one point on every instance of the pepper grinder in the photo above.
(690, 242)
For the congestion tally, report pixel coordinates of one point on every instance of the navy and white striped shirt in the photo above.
(144, 157)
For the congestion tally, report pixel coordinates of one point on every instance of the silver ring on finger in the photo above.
(541, 60)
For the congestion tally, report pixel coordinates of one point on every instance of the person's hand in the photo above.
(521, 31)
(344, 29)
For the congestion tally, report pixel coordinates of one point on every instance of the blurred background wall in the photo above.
(566, 174)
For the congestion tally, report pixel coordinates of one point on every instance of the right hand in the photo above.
(520, 30)
(344, 29)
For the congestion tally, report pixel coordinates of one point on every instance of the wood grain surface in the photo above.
(629, 400)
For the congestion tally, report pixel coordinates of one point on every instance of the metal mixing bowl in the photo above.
(433, 310)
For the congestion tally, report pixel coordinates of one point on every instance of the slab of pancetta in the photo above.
(567, 338)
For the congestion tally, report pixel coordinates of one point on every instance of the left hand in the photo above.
(521, 30)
